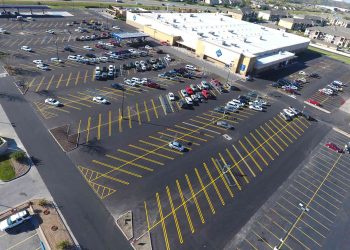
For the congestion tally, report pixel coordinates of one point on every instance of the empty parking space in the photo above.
(303, 215)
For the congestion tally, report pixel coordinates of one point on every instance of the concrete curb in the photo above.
(341, 132)
(316, 107)
(56, 140)
(76, 243)
(127, 214)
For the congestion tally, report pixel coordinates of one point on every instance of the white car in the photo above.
(109, 45)
(288, 112)
(103, 59)
(73, 58)
(115, 28)
(326, 91)
(171, 96)
(338, 83)
(132, 50)
(52, 102)
(144, 80)
(26, 48)
(238, 102)
(188, 100)
(111, 67)
(256, 107)
(50, 31)
(56, 60)
(99, 99)
(148, 47)
(14, 220)
(176, 145)
(231, 109)
(129, 82)
(190, 67)
(233, 104)
(42, 67)
(38, 61)
(183, 93)
(87, 48)
(205, 85)
(2, 31)
(335, 87)
(302, 73)
(294, 110)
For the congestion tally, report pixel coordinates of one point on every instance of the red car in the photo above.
(152, 85)
(290, 91)
(314, 102)
(115, 43)
(189, 91)
(334, 147)
(206, 93)
(99, 46)
(164, 43)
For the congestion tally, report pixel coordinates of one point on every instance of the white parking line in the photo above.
(316, 107)
(212, 131)
(22, 241)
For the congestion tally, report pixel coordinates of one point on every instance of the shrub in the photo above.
(43, 203)
(63, 245)
(18, 155)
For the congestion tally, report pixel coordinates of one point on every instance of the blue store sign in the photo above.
(218, 53)
(242, 67)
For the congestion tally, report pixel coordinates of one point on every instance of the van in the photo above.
(19, 18)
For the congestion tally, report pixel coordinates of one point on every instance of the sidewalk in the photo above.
(27, 187)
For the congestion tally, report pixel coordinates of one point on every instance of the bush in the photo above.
(43, 203)
(18, 155)
(63, 245)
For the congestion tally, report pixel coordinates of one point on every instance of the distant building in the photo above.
(245, 14)
(119, 11)
(272, 15)
(317, 20)
(295, 23)
(339, 36)
(339, 22)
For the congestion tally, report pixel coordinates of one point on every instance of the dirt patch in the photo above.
(67, 143)
(52, 225)
(20, 167)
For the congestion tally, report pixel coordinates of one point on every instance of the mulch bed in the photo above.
(60, 134)
(20, 167)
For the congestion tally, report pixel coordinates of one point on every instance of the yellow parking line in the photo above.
(205, 123)
(154, 153)
(256, 149)
(88, 129)
(205, 191)
(243, 159)
(220, 117)
(260, 145)
(146, 109)
(59, 81)
(185, 206)
(265, 140)
(41, 82)
(238, 167)
(261, 127)
(86, 76)
(99, 126)
(138, 113)
(194, 131)
(174, 138)
(272, 233)
(199, 210)
(185, 134)
(214, 184)
(276, 133)
(120, 121)
(146, 212)
(129, 117)
(140, 157)
(79, 125)
(174, 215)
(73, 101)
(286, 129)
(290, 125)
(117, 169)
(178, 105)
(221, 174)
(68, 80)
(250, 154)
(157, 146)
(294, 123)
(278, 129)
(229, 171)
(77, 79)
(130, 163)
(109, 123)
(154, 108)
(31, 82)
(163, 223)
(50, 82)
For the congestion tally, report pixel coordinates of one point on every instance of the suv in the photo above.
(14, 220)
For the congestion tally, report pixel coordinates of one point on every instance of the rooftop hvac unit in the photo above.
(284, 34)
(174, 20)
(245, 40)
(192, 15)
(194, 29)
(159, 16)
(200, 33)
(225, 43)
(263, 28)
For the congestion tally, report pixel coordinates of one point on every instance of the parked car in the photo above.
(177, 146)
(334, 147)
(52, 102)
(26, 48)
(14, 220)
(117, 86)
(224, 124)
(171, 96)
(99, 99)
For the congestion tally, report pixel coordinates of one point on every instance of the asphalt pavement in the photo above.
(90, 222)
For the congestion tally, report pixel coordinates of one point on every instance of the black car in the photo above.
(314, 75)
(89, 55)
(221, 110)
(67, 48)
(117, 86)
(125, 67)
(243, 99)
(183, 104)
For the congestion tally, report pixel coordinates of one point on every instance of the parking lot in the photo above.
(321, 186)
(21, 237)
(122, 148)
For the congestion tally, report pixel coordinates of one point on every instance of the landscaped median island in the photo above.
(332, 55)
(12, 165)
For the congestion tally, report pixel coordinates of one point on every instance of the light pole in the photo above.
(123, 104)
